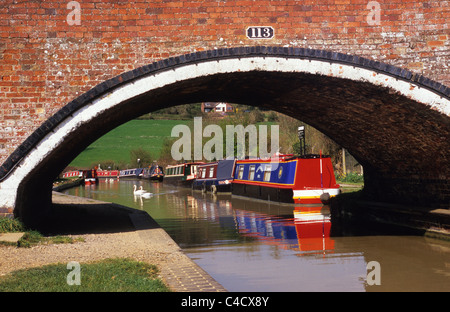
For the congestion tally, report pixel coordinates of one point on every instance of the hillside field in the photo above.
(117, 144)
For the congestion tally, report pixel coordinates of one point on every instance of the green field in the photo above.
(117, 144)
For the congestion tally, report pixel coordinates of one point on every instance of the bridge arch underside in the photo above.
(402, 143)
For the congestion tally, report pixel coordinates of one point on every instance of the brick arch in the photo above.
(392, 120)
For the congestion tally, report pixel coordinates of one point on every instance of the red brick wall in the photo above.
(45, 62)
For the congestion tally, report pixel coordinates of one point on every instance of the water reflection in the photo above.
(313, 226)
(307, 232)
(250, 245)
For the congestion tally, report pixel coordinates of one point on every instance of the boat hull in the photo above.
(213, 186)
(90, 181)
(263, 192)
(158, 178)
(315, 196)
(306, 197)
(177, 181)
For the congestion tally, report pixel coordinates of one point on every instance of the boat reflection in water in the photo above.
(305, 229)
(313, 226)
(308, 231)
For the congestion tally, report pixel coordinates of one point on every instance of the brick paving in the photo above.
(182, 274)
(189, 277)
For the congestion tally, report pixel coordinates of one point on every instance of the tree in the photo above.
(140, 158)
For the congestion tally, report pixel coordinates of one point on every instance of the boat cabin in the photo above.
(181, 174)
(215, 177)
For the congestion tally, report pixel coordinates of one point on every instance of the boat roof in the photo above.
(282, 157)
(185, 164)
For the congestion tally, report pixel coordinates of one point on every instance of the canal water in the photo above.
(256, 246)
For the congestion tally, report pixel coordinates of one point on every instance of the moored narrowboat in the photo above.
(153, 173)
(90, 176)
(215, 177)
(307, 179)
(72, 174)
(107, 174)
(131, 174)
(181, 174)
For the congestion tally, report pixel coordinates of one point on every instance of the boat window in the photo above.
(267, 172)
(204, 172)
(211, 172)
(251, 172)
(241, 172)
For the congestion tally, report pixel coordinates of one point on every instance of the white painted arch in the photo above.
(147, 83)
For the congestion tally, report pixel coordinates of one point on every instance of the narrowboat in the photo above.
(181, 174)
(215, 177)
(307, 179)
(71, 174)
(153, 173)
(107, 174)
(90, 176)
(134, 173)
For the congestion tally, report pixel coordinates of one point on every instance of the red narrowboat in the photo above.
(307, 179)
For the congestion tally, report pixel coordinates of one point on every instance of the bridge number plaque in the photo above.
(260, 32)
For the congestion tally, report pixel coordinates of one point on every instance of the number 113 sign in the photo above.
(260, 32)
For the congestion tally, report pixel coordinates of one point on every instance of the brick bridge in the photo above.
(372, 75)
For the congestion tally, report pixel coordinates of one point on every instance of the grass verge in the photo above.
(32, 238)
(110, 275)
(9, 225)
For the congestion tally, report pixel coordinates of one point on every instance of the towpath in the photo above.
(138, 237)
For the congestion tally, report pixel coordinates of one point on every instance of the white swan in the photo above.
(141, 189)
(146, 195)
(137, 192)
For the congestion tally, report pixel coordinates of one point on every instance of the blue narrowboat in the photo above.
(134, 173)
(153, 173)
(307, 179)
(215, 177)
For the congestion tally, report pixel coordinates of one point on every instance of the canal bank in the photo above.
(111, 231)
